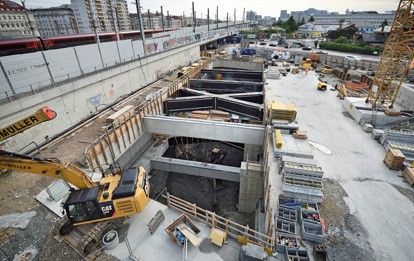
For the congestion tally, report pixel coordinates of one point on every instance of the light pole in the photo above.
(30, 22)
(141, 26)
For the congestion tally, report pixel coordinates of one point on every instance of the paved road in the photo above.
(365, 57)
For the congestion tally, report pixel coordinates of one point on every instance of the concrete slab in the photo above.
(195, 168)
(399, 213)
(378, 119)
(159, 246)
(355, 161)
(224, 131)
(54, 206)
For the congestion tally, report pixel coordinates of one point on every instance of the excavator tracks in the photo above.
(86, 239)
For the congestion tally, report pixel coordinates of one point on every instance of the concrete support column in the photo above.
(251, 152)
(251, 186)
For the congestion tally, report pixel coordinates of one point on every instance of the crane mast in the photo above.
(395, 59)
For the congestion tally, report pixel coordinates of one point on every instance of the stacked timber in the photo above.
(282, 111)
(408, 174)
(295, 70)
(300, 134)
(394, 159)
(278, 139)
(327, 70)
(122, 115)
(202, 115)
(220, 116)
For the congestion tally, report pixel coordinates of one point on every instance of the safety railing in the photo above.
(244, 234)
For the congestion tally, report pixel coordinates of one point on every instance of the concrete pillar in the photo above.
(251, 152)
(251, 186)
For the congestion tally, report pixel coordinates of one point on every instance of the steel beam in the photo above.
(222, 87)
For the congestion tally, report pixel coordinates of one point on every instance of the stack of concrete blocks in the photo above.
(399, 139)
(362, 113)
(368, 128)
(376, 134)
(272, 73)
(302, 178)
(292, 254)
(286, 239)
(405, 97)
(311, 228)
(285, 226)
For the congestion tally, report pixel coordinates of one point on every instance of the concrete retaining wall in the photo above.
(254, 66)
(405, 97)
(80, 98)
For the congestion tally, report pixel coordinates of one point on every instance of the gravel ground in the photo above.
(35, 236)
(344, 232)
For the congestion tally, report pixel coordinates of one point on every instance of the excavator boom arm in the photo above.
(42, 115)
(46, 167)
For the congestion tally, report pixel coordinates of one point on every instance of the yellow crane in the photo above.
(395, 59)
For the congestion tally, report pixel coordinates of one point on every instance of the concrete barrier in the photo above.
(80, 98)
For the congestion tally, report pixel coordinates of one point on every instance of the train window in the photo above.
(13, 47)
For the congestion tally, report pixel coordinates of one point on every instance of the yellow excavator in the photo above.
(116, 195)
(42, 115)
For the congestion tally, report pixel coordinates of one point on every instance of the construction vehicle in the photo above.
(322, 86)
(42, 115)
(306, 64)
(314, 57)
(117, 195)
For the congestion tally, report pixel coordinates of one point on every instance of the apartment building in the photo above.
(103, 15)
(55, 21)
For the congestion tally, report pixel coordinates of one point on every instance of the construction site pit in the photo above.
(215, 195)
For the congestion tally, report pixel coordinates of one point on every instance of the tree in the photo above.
(311, 19)
(291, 23)
(342, 39)
(383, 24)
(342, 20)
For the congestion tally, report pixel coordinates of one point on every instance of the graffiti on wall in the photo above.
(152, 47)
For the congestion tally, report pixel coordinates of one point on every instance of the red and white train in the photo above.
(34, 44)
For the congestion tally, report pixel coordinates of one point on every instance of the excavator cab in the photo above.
(82, 206)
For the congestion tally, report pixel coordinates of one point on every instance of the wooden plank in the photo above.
(119, 114)
(190, 235)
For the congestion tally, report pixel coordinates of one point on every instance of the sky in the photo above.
(262, 7)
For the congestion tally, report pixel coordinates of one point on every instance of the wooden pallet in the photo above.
(394, 159)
